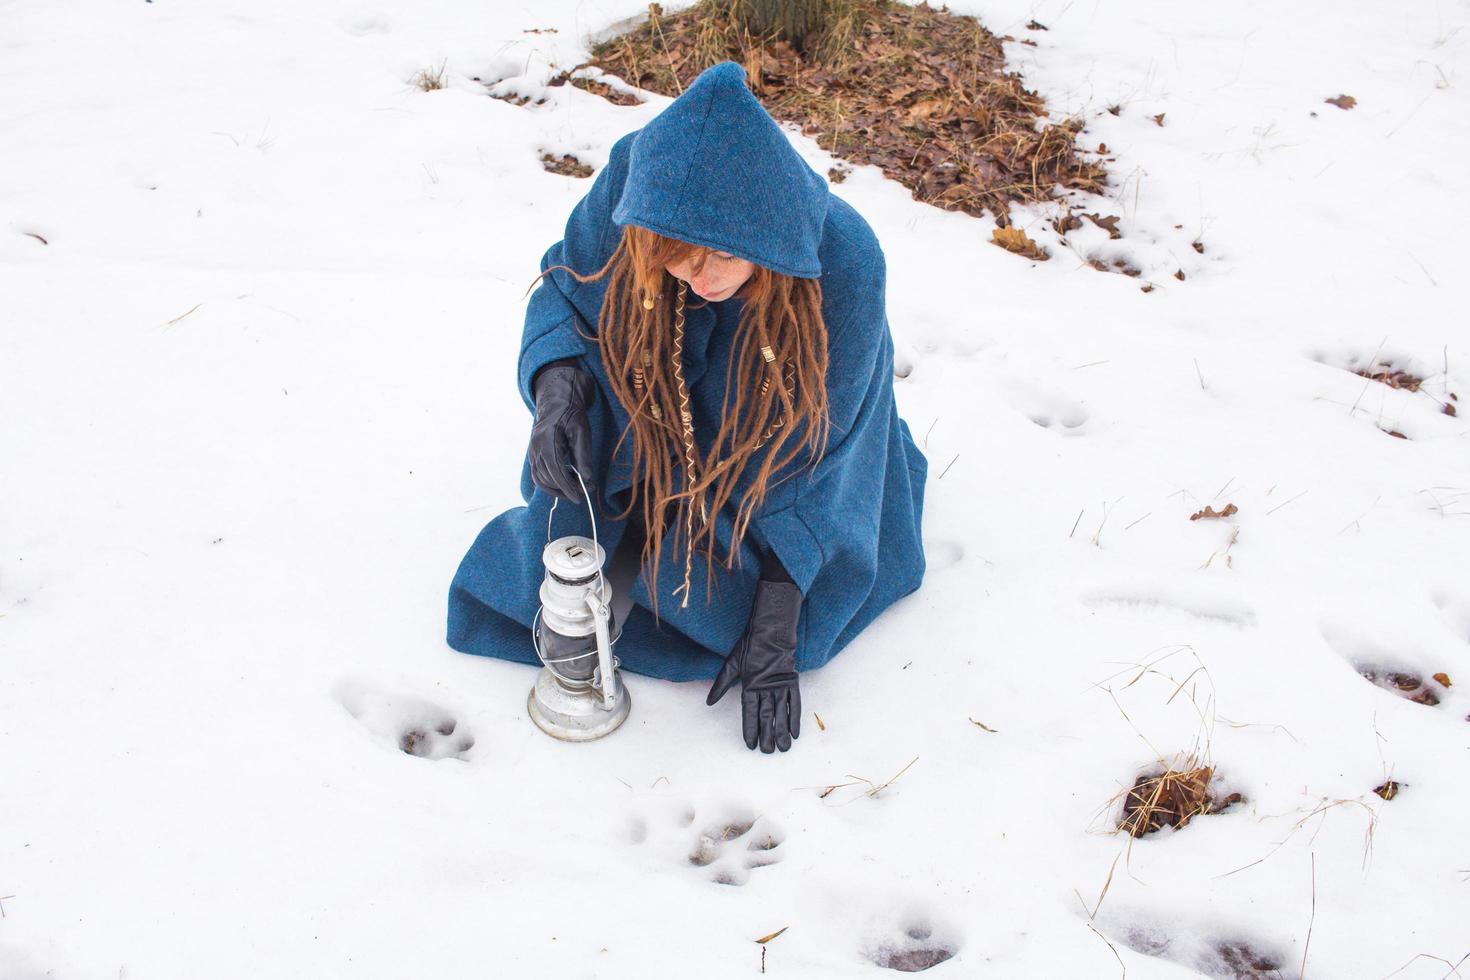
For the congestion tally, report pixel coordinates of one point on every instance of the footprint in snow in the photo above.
(1221, 957)
(913, 945)
(1456, 612)
(1045, 407)
(412, 724)
(1172, 599)
(1392, 670)
(366, 23)
(726, 843)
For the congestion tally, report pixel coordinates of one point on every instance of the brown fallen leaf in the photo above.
(1402, 681)
(566, 165)
(820, 726)
(1198, 246)
(1443, 679)
(1015, 240)
(1037, 25)
(1211, 512)
(1179, 275)
(1108, 224)
(923, 109)
(1066, 223)
(1342, 101)
(1159, 119)
(765, 939)
(981, 724)
(1393, 378)
(898, 93)
(1450, 410)
(1388, 790)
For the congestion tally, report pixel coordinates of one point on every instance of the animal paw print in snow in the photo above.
(732, 848)
(913, 947)
(727, 845)
(439, 740)
(416, 725)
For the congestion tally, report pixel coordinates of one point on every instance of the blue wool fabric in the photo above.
(714, 169)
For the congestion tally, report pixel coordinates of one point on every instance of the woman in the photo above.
(710, 354)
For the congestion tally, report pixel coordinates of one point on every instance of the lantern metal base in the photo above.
(576, 714)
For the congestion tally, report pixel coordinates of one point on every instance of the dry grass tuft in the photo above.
(1171, 798)
(429, 79)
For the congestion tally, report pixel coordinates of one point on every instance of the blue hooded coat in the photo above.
(715, 170)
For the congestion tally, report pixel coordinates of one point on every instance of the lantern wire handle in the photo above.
(536, 620)
(591, 516)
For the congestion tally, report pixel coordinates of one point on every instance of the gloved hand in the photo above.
(764, 661)
(561, 436)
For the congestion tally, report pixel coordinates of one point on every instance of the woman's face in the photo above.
(723, 274)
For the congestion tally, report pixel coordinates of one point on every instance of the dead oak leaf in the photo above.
(1108, 224)
(923, 110)
(1211, 512)
(898, 93)
(1014, 240)
(1342, 101)
(1066, 222)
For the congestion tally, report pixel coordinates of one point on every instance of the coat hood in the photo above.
(714, 169)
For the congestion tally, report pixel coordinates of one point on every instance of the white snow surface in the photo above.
(256, 399)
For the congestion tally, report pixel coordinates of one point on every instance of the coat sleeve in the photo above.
(826, 516)
(562, 311)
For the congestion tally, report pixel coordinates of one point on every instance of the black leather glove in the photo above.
(562, 437)
(764, 661)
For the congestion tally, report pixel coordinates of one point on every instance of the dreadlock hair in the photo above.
(774, 410)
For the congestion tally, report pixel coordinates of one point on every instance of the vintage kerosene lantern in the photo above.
(579, 694)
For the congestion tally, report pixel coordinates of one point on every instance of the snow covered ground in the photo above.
(259, 303)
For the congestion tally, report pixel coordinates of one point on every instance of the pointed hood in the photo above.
(714, 169)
